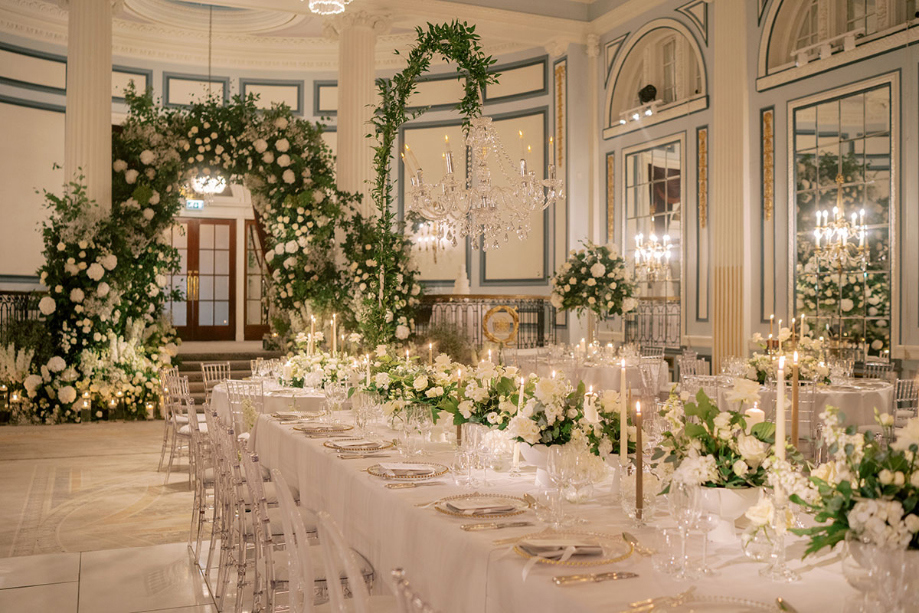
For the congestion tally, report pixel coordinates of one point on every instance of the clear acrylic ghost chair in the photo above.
(205, 480)
(342, 561)
(878, 370)
(168, 420)
(651, 351)
(809, 427)
(181, 440)
(214, 373)
(408, 599)
(241, 393)
(907, 401)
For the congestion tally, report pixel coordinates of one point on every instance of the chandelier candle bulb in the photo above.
(639, 485)
(794, 400)
(551, 151)
(780, 411)
(623, 417)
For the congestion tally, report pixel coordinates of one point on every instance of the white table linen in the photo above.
(276, 399)
(463, 572)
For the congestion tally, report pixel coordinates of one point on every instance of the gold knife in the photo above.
(565, 580)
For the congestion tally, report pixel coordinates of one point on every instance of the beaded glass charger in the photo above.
(482, 505)
(324, 428)
(574, 548)
(357, 444)
(291, 415)
(407, 471)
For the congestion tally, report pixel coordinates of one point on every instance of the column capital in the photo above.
(593, 45)
(380, 23)
(558, 46)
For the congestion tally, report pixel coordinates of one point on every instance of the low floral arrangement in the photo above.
(316, 370)
(867, 487)
(551, 415)
(762, 367)
(490, 396)
(718, 451)
(595, 279)
(402, 381)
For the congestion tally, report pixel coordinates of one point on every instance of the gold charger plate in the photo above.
(324, 428)
(370, 446)
(609, 542)
(520, 505)
(439, 470)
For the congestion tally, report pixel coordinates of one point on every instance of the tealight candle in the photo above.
(754, 416)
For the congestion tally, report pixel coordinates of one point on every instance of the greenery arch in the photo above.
(385, 313)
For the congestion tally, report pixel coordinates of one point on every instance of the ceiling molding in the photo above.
(622, 14)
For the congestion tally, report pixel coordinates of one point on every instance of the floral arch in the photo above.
(106, 270)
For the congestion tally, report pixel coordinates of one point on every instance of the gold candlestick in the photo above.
(639, 485)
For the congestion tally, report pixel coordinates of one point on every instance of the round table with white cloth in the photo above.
(856, 400)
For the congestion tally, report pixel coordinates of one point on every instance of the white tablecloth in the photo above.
(465, 572)
(283, 399)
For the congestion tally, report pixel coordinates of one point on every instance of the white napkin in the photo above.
(361, 443)
(405, 469)
(560, 548)
(479, 506)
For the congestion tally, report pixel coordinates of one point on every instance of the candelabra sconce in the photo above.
(652, 258)
(840, 243)
(478, 207)
(6, 413)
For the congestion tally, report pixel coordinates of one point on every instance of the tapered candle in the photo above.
(780, 411)
(406, 355)
(794, 328)
(312, 332)
(803, 315)
(430, 354)
(334, 333)
(367, 357)
(623, 417)
(553, 374)
(639, 485)
(551, 151)
(489, 355)
(794, 400)
(780, 336)
(771, 323)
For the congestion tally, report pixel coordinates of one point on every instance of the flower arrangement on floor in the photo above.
(594, 279)
(763, 367)
(403, 381)
(718, 451)
(867, 487)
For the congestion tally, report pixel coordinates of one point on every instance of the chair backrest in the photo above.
(241, 393)
(649, 351)
(408, 599)
(878, 370)
(907, 398)
(297, 542)
(214, 373)
(689, 353)
(339, 557)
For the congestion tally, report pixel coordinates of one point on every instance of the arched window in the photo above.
(807, 31)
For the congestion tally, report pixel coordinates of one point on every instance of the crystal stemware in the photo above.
(685, 510)
(558, 466)
(705, 524)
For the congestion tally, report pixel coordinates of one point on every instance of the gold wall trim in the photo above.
(768, 128)
(560, 72)
(703, 175)
(610, 197)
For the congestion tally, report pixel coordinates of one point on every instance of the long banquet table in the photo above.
(465, 572)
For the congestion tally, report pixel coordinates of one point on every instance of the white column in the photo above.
(357, 34)
(88, 120)
(729, 176)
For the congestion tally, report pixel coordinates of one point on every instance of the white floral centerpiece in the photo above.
(489, 395)
(762, 367)
(302, 370)
(595, 279)
(402, 381)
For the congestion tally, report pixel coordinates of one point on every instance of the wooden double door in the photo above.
(207, 279)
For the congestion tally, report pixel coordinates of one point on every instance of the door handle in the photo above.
(192, 285)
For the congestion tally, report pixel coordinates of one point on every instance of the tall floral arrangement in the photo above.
(594, 279)
(489, 394)
(762, 366)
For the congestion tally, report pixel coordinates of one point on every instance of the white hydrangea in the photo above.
(284, 160)
(109, 261)
(47, 305)
(130, 176)
(282, 145)
(402, 332)
(67, 395)
(288, 176)
(76, 295)
(147, 157)
(56, 364)
(598, 270)
(261, 145)
(95, 271)
(119, 166)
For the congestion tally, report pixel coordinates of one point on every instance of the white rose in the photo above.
(402, 332)
(752, 450)
(95, 271)
(846, 304)
(381, 379)
(261, 145)
(291, 247)
(556, 301)
(591, 282)
(280, 123)
(76, 295)
(761, 513)
(119, 166)
(284, 160)
(598, 270)
(282, 145)
(885, 477)
(47, 305)
(740, 468)
(288, 176)
(130, 176)
(912, 523)
(56, 364)
(420, 383)
(629, 304)
(826, 472)
(147, 157)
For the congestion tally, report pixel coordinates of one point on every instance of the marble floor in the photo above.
(159, 578)
(87, 487)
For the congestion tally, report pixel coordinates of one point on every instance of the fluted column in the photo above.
(729, 176)
(88, 120)
(357, 34)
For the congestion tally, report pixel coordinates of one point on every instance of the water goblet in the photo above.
(461, 468)
(684, 508)
(559, 468)
(705, 524)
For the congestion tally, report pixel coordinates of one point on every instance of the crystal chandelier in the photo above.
(208, 185)
(479, 207)
(432, 236)
(836, 240)
(652, 258)
(328, 7)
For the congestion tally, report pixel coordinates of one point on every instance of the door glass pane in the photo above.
(206, 236)
(222, 236)
(205, 313)
(206, 262)
(207, 288)
(221, 288)
(221, 313)
(221, 262)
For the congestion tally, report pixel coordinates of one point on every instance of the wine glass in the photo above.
(424, 421)
(705, 524)
(559, 468)
(685, 510)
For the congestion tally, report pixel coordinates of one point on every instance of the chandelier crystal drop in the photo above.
(652, 257)
(835, 241)
(208, 185)
(328, 7)
(498, 198)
